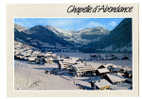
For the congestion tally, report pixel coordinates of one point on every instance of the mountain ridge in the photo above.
(97, 39)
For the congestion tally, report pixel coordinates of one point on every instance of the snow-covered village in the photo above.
(93, 58)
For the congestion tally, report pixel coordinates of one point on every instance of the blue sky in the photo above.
(70, 24)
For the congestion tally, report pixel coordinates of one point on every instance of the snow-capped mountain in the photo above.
(19, 27)
(95, 39)
(39, 36)
(83, 36)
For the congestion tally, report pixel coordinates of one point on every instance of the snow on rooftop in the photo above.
(103, 70)
(115, 79)
(102, 83)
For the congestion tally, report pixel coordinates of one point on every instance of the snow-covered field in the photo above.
(33, 77)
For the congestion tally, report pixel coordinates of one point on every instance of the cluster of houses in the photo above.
(32, 55)
(104, 76)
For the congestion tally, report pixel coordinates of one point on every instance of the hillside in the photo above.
(119, 40)
(40, 37)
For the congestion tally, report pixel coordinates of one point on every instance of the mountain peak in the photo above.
(96, 30)
(19, 27)
(38, 27)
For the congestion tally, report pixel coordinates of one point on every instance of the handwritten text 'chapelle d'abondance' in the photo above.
(99, 8)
